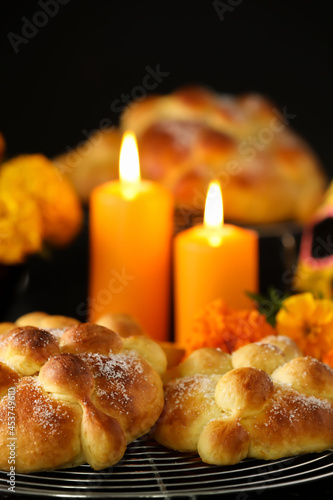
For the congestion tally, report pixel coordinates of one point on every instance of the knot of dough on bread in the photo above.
(290, 424)
(207, 361)
(307, 375)
(126, 388)
(266, 357)
(6, 327)
(47, 431)
(189, 406)
(26, 349)
(124, 324)
(88, 337)
(47, 321)
(223, 442)
(287, 345)
(102, 437)
(204, 361)
(244, 391)
(150, 350)
(69, 378)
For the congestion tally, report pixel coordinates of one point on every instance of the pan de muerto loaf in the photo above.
(194, 135)
(73, 395)
(247, 412)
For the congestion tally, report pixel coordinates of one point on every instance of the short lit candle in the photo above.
(130, 240)
(213, 260)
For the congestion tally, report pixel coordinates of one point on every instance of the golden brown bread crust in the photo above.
(247, 412)
(205, 361)
(287, 345)
(88, 337)
(32, 319)
(121, 381)
(150, 350)
(5, 327)
(8, 378)
(81, 406)
(43, 320)
(243, 391)
(223, 442)
(47, 431)
(264, 356)
(193, 135)
(306, 375)
(26, 349)
(291, 424)
(123, 324)
(189, 406)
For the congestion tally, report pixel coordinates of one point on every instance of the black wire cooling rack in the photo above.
(152, 471)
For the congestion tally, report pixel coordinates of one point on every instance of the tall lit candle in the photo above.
(212, 261)
(130, 240)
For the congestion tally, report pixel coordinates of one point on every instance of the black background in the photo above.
(64, 80)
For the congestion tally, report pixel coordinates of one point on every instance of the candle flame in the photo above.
(214, 206)
(213, 218)
(129, 164)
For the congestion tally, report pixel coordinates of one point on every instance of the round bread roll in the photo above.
(204, 361)
(44, 320)
(88, 337)
(150, 350)
(287, 345)
(243, 391)
(26, 349)
(223, 442)
(78, 396)
(266, 357)
(124, 324)
(31, 319)
(307, 375)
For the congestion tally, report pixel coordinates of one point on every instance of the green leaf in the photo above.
(269, 305)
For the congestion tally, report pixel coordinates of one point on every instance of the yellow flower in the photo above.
(20, 226)
(309, 322)
(58, 204)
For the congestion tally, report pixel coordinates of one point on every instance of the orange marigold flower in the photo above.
(20, 226)
(218, 326)
(309, 322)
(56, 199)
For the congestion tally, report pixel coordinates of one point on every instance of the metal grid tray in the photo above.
(151, 471)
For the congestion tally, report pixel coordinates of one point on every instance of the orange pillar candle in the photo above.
(131, 225)
(212, 261)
